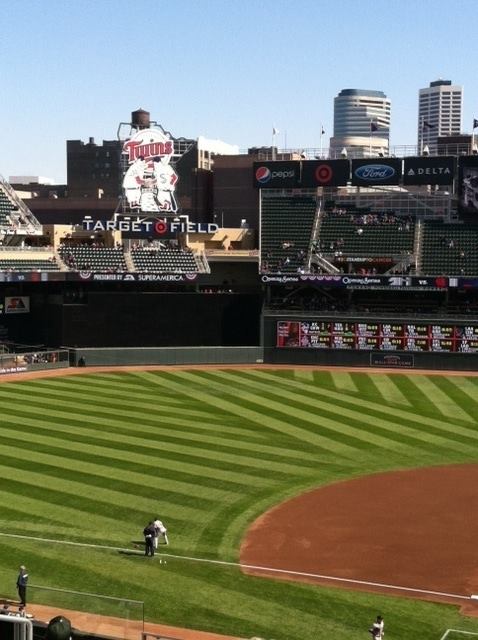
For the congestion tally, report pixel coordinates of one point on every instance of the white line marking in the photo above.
(468, 633)
(246, 566)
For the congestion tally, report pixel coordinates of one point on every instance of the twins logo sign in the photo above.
(150, 180)
(276, 175)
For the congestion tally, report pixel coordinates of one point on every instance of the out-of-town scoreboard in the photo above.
(379, 336)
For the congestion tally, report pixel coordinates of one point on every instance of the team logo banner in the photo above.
(277, 175)
(19, 304)
(376, 171)
(437, 170)
(150, 181)
(468, 184)
(325, 173)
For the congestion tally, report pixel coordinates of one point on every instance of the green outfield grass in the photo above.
(91, 458)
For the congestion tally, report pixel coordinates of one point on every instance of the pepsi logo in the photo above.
(263, 175)
(375, 172)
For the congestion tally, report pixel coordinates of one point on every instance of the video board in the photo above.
(380, 336)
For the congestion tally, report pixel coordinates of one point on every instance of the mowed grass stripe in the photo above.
(213, 469)
(403, 415)
(162, 446)
(149, 430)
(304, 374)
(381, 432)
(343, 382)
(458, 393)
(116, 404)
(50, 466)
(57, 460)
(177, 383)
(97, 499)
(96, 388)
(442, 401)
(389, 391)
(194, 483)
(333, 429)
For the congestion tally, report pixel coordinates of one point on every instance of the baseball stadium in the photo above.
(275, 353)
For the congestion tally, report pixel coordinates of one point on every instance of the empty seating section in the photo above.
(6, 208)
(164, 260)
(82, 257)
(286, 230)
(369, 234)
(449, 249)
(30, 264)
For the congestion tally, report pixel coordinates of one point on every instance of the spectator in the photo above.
(22, 582)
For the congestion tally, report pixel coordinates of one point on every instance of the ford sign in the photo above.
(373, 172)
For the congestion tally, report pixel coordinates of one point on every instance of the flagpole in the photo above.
(273, 142)
(422, 127)
(370, 141)
(472, 137)
(321, 136)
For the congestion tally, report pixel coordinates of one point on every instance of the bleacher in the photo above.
(449, 249)
(84, 257)
(286, 230)
(16, 219)
(29, 264)
(164, 260)
(6, 208)
(365, 234)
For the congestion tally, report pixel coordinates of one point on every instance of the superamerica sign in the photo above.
(150, 181)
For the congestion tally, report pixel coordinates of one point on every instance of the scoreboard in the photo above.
(378, 336)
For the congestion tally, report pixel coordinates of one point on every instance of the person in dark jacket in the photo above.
(22, 582)
(149, 534)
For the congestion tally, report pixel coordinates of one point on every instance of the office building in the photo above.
(439, 113)
(361, 122)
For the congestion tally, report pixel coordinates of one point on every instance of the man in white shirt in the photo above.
(160, 530)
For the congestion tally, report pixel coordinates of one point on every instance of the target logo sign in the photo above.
(324, 173)
(160, 227)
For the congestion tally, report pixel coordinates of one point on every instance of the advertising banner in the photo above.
(19, 304)
(436, 170)
(277, 175)
(468, 184)
(325, 173)
(376, 171)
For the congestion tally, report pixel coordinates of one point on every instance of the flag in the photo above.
(428, 125)
(475, 124)
(275, 131)
(373, 126)
(322, 131)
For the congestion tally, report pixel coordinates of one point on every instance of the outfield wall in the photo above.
(165, 356)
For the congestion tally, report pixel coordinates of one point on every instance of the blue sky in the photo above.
(218, 68)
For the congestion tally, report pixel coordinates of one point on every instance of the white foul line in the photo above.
(247, 566)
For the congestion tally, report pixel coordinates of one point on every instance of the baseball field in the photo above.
(361, 486)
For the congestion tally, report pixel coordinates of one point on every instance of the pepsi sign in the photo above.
(277, 175)
(325, 173)
(375, 172)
